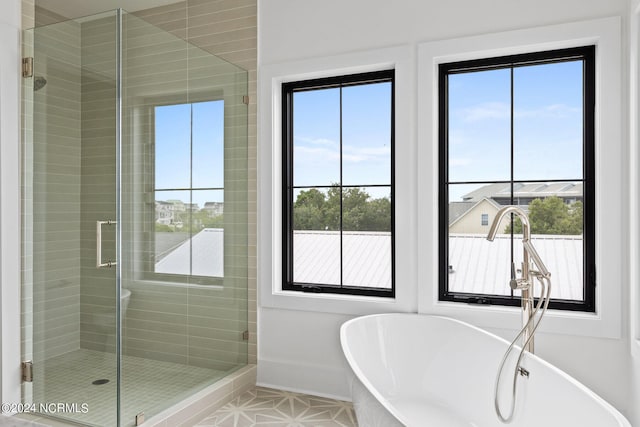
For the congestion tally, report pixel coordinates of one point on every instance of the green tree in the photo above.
(164, 228)
(552, 216)
(315, 210)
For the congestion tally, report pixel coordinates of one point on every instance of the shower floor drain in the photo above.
(100, 382)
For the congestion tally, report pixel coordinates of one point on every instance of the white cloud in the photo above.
(502, 111)
(318, 154)
(317, 141)
(486, 111)
(319, 149)
(558, 111)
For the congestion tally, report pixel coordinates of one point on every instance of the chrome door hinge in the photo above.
(245, 336)
(27, 67)
(27, 371)
(245, 99)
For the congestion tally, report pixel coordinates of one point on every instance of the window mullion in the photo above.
(512, 145)
(341, 200)
(190, 189)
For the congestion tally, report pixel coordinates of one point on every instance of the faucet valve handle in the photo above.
(513, 283)
(519, 284)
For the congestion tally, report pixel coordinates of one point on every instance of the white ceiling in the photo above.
(79, 8)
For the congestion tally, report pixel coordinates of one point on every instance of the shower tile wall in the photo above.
(51, 268)
(98, 193)
(201, 327)
(228, 29)
(56, 200)
(28, 14)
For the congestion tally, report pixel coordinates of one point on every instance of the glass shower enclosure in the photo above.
(134, 219)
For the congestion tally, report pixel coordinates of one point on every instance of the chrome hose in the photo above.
(545, 296)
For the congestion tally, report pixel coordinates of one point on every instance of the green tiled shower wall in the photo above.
(227, 29)
(196, 326)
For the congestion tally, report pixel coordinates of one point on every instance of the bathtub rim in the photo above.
(618, 416)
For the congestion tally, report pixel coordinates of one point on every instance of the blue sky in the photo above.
(547, 124)
(547, 133)
(366, 137)
(175, 128)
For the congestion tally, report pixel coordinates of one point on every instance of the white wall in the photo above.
(10, 24)
(300, 349)
(634, 224)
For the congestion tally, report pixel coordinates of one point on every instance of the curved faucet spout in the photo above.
(529, 250)
(526, 228)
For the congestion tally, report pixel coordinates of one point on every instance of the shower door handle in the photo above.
(99, 263)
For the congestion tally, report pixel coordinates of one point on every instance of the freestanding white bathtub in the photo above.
(419, 371)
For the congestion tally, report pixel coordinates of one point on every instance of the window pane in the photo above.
(316, 137)
(476, 265)
(172, 249)
(555, 213)
(207, 243)
(366, 134)
(208, 144)
(366, 237)
(316, 236)
(479, 126)
(173, 146)
(548, 120)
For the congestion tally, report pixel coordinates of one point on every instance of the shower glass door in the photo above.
(69, 184)
(134, 219)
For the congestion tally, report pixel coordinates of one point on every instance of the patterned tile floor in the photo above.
(276, 408)
(147, 385)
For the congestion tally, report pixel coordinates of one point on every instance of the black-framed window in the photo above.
(338, 184)
(518, 130)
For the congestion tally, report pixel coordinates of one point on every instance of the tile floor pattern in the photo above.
(276, 408)
(147, 385)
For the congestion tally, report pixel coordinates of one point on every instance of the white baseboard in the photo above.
(316, 380)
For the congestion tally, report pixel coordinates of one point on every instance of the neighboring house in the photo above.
(214, 208)
(524, 194)
(475, 213)
(167, 212)
(164, 213)
(476, 219)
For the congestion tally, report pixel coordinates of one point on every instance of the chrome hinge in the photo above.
(27, 67)
(245, 336)
(245, 99)
(27, 371)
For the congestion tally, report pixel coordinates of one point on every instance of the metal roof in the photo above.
(483, 267)
(477, 265)
(366, 260)
(204, 253)
(535, 190)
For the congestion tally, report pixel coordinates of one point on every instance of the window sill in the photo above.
(146, 282)
(554, 321)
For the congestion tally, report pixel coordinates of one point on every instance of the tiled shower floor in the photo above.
(147, 385)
